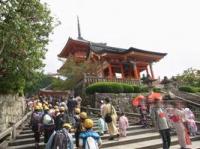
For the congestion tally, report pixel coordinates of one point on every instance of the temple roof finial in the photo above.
(79, 29)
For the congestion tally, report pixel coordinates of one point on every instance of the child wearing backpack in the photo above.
(48, 124)
(123, 125)
(35, 124)
(89, 139)
(79, 126)
(61, 139)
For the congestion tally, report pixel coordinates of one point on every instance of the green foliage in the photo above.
(189, 89)
(127, 88)
(140, 88)
(74, 72)
(157, 90)
(144, 89)
(24, 30)
(137, 89)
(38, 81)
(112, 87)
(104, 87)
(58, 84)
(190, 77)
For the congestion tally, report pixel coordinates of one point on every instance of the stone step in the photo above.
(106, 143)
(26, 140)
(27, 130)
(130, 139)
(195, 145)
(153, 144)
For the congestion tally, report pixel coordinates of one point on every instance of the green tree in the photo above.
(74, 71)
(24, 30)
(190, 77)
(38, 81)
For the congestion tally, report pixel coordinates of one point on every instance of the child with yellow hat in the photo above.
(80, 118)
(89, 138)
(61, 139)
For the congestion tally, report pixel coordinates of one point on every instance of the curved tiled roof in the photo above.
(102, 48)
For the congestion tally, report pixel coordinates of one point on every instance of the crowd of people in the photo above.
(168, 116)
(58, 118)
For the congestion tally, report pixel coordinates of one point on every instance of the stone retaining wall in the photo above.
(12, 109)
(121, 101)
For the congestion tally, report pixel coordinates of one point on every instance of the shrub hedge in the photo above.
(157, 90)
(112, 87)
(189, 89)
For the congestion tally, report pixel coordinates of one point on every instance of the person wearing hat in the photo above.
(35, 123)
(77, 117)
(48, 124)
(79, 125)
(61, 139)
(89, 133)
(71, 105)
(160, 120)
(60, 119)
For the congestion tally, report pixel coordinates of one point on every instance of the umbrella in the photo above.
(154, 96)
(136, 100)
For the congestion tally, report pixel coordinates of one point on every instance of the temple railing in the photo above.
(11, 132)
(94, 79)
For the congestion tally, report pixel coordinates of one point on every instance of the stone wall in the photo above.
(12, 109)
(121, 101)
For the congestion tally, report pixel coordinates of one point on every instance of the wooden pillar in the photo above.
(151, 69)
(135, 71)
(102, 71)
(122, 70)
(147, 71)
(110, 71)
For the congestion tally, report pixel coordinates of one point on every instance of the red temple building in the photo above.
(119, 63)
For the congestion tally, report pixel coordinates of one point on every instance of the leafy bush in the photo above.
(109, 87)
(112, 87)
(140, 89)
(157, 90)
(189, 89)
(144, 89)
(137, 89)
(128, 88)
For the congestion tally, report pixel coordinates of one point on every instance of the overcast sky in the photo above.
(171, 26)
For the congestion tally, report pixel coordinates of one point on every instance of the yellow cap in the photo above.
(77, 110)
(67, 125)
(46, 108)
(40, 107)
(55, 107)
(62, 109)
(37, 107)
(88, 123)
(56, 110)
(39, 104)
(83, 115)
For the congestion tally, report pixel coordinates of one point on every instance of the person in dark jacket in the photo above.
(60, 119)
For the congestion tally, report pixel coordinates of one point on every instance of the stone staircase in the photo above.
(137, 138)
